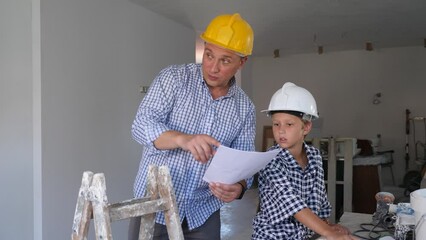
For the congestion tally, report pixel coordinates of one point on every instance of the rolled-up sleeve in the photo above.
(282, 201)
(150, 119)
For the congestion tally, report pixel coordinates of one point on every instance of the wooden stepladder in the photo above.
(92, 202)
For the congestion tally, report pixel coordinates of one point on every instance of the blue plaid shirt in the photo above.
(285, 189)
(180, 100)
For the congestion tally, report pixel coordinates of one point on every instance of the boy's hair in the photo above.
(305, 117)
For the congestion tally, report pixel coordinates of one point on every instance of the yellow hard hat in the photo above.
(230, 32)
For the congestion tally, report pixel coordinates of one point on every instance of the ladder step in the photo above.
(120, 211)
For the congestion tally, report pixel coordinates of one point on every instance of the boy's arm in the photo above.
(313, 222)
(318, 225)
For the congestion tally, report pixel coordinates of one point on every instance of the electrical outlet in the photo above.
(143, 89)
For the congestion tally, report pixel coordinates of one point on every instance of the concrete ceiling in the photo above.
(300, 26)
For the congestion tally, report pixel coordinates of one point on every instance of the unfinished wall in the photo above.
(344, 84)
(82, 82)
(95, 55)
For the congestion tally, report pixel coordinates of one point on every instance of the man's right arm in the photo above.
(149, 122)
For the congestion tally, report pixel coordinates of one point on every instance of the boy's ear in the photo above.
(307, 127)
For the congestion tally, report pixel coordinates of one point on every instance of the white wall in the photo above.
(344, 83)
(94, 56)
(15, 120)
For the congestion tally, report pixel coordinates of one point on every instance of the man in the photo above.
(187, 113)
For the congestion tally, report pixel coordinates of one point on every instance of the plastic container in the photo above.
(386, 197)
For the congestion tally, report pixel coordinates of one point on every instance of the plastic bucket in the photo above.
(418, 204)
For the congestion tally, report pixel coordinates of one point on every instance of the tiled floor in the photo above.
(237, 216)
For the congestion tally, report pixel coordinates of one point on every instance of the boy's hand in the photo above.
(341, 229)
(340, 232)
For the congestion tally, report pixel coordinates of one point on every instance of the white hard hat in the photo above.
(293, 98)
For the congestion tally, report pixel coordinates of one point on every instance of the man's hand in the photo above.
(200, 146)
(226, 192)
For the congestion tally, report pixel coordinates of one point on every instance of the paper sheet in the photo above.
(230, 165)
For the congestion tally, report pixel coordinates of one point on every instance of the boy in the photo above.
(293, 199)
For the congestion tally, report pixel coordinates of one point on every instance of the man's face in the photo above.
(219, 65)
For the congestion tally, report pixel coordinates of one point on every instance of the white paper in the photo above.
(230, 165)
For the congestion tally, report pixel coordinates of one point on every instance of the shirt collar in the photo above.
(232, 87)
(310, 154)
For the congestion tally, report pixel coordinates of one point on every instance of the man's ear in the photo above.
(243, 60)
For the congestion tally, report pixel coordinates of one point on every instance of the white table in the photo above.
(353, 221)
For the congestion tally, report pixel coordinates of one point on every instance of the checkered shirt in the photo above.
(285, 189)
(180, 100)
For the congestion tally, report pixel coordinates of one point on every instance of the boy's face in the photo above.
(289, 130)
